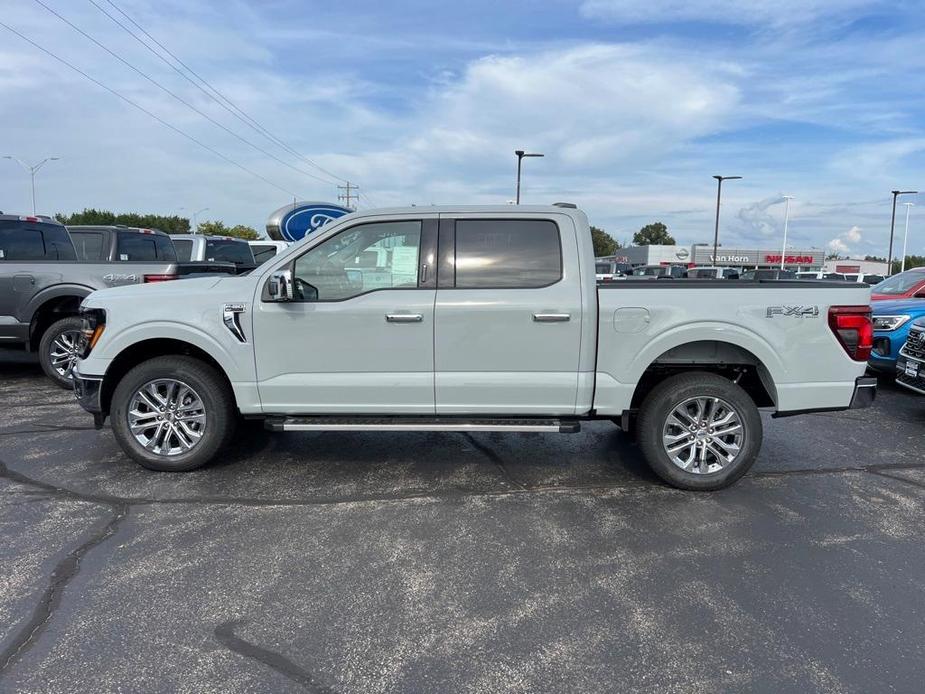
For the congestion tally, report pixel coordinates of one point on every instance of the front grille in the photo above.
(915, 345)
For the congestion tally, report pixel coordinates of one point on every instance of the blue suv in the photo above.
(892, 320)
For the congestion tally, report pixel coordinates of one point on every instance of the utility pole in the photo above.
(347, 196)
(520, 157)
(909, 206)
(719, 192)
(889, 256)
(31, 170)
(783, 250)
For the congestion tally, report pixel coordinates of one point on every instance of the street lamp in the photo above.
(195, 216)
(909, 206)
(31, 170)
(719, 191)
(889, 257)
(520, 157)
(783, 250)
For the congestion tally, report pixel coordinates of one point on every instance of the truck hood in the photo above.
(889, 307)
(214, 286)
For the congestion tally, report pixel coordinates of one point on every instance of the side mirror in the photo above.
(280, 285)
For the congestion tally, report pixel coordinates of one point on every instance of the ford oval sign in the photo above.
(298, 220)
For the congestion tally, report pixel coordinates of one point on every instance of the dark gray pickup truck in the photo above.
(45, 273)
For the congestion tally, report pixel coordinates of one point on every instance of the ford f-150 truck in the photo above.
(469, 319)
(44, 277)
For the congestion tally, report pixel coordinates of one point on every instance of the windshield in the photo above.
(699, 273)
(650, 271)
(902, 283)
(226, 250)
(602, 268)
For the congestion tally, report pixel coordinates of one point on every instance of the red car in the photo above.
(906, 285)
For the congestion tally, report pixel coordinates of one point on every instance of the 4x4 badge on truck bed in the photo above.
(797, 311)
(230, 318)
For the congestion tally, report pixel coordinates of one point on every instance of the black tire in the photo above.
(66, 327)
(671, 393)
(213, 392)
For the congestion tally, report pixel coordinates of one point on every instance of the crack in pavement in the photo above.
(881, 473)
(496, 459)
(64, 571)
(276, 661)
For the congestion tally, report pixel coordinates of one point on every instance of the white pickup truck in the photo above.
(469, 319)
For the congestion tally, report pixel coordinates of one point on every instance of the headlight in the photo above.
(94, 323)
(889, 322)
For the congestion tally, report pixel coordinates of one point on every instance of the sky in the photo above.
(635, 104)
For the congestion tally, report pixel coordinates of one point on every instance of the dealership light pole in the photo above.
(31, 170)
(195, 216)
(889, 256)
(909, 206)
(783, 250)
(719, 192)
(520, 157)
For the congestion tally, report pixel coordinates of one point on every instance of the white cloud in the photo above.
(844, 243)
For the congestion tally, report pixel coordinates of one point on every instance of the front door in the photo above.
(358, 337)
(508, 317)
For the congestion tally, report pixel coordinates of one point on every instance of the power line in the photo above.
(205, 87)
(179, 98)
(146, 111)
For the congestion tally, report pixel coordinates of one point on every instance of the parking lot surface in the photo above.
(456, 562)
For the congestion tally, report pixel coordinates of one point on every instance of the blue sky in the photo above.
(635, 103)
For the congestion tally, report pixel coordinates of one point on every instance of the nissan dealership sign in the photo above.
(703, 255)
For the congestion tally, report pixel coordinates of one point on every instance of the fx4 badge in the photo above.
(795, 311)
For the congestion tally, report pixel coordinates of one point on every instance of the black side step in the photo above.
(411, 423)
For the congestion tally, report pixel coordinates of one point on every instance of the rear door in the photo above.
(508, 316)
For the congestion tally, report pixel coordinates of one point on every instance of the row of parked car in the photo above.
(899, 318)
(47, 269)
(609, 271)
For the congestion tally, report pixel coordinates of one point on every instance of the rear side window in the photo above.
(88, 244)
(507, 254)
(262, 252)
(29, 241)
(184, 248)
(138, 246)
(222, 250)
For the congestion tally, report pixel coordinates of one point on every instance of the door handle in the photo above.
(551, 317)
(404, 317)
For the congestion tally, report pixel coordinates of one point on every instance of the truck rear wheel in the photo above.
(699, 431)
(58, 350)
(172, 413)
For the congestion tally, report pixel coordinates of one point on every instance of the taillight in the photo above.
(160, 278)
(853, 328)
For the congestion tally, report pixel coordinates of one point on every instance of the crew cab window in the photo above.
(229, 251)
(507, 254)
(134, 245)
(184, 248)
(262, 252)
(88, 244)
(29, 241)
(364, 258)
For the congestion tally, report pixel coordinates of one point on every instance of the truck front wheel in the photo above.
(172, 413)
(699, 431)
(58, 350)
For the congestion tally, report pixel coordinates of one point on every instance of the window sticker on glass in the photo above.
(123, 256)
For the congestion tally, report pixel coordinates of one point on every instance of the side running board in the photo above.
(340, 423)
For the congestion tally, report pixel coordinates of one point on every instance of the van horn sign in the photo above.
(295, 221)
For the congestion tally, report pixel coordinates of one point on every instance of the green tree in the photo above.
(655, 234)
(171, 224)
(604, 243)
(217, 228)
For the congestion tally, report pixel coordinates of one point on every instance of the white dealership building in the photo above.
(702, 254)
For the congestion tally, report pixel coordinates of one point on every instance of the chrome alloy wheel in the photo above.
(703, 435)
(63, 353)
(167, 417)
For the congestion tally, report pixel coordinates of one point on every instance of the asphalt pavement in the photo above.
(401, 562)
